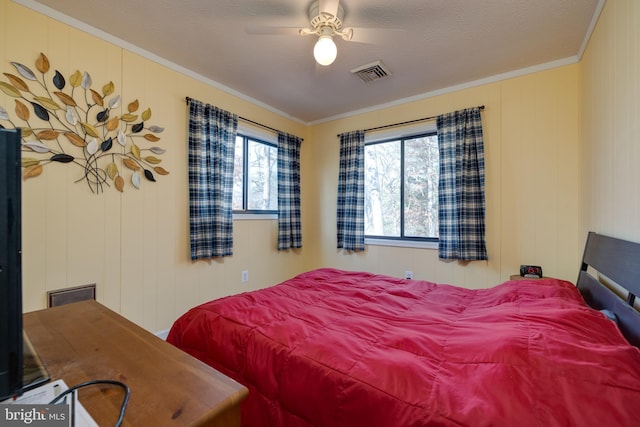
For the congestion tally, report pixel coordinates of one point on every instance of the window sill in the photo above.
(401, 243)
(244, 217)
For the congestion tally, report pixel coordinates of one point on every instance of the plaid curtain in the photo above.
(350, 215)
(212, 139)
(289, 229)
(461, 186)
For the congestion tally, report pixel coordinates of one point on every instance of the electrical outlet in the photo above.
(408, 274)
(244, 278)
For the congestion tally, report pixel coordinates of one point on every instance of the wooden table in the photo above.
(87, 341)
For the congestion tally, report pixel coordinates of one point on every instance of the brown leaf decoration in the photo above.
(76, 79)
(9, 90)
(32, 171)
(22, 111)
(90, 130)
(133, 106)
(131, 164)
(151, 137)
(112, 124)
(66, 99)
(119, 183)
(129, 117)
(17, 82)
(135, 150)
(48, 103)
(160, 170)
(29, 161)
(153, 160)
(75, 139)
(26, 132)
(42, 63)
(108, 89)
(146, 114)
(48, 134)
(97, 98)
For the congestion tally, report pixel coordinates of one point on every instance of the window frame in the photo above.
(408, 132)
(261, 138)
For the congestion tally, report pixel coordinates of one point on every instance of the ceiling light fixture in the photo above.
(326, 24)
(325, 50)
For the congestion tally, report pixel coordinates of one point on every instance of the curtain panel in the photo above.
(461, 200)
(350, 210)
(212, 135)
(289, 223)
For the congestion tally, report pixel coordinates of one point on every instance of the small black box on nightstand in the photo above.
(533, 271)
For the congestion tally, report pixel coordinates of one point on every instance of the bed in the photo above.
(341, 348)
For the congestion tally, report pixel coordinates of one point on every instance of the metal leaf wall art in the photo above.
(78, 125)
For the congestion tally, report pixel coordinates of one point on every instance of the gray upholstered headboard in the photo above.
(617, 261)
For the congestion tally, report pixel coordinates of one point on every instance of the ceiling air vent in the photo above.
(370, 72)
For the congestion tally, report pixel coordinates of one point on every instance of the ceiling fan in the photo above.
(326, 18)
(325, 21)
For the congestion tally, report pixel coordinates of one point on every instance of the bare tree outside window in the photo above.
(421, 170)
(238, 174)
(401, 188)
(382, 189)
(255, 176)
(263, 177)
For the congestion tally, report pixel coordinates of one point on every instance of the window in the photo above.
(401, 188)
(255, 176)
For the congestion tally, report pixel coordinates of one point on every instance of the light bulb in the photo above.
(325, 50)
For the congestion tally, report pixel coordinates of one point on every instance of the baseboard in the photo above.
(162, 334)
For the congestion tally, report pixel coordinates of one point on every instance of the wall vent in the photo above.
(70, 295)
(371, 72)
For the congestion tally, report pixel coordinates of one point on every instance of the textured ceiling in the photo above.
(428, 45)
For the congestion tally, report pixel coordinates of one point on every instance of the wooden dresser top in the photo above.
(86, 341)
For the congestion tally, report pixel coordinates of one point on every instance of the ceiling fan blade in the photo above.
(329, 6)
(380, 36)
(272, 31)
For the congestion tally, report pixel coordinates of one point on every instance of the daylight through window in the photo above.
(255, 176)
(401, 188)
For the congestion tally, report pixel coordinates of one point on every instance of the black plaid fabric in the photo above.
(350, 212)
(212, 139)
(461, 186)
(289, 229)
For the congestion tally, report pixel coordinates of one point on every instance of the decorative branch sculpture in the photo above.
(84, 133)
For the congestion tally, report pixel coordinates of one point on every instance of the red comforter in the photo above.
(334, 348)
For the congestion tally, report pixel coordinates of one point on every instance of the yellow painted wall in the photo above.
(135, 245)
(532, 182)
(610, 125)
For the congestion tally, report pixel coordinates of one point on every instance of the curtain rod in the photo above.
(250, 121)
(408, 122)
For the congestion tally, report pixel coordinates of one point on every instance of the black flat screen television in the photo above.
(11, 336)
